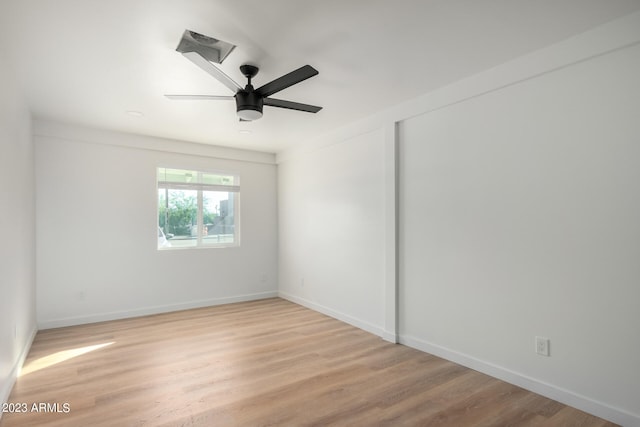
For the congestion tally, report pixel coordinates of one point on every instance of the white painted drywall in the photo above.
(332, 230)
(520, 216)
(17, 222)
(97, 230)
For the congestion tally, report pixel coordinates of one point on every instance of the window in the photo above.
(197, 209)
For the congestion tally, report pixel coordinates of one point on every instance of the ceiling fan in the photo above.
(249, 101)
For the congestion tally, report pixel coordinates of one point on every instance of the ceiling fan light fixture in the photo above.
(248, 104)
(249, 114)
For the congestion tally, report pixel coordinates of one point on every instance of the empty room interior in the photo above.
(418, 212)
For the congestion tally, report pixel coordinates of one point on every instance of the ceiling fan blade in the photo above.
(296, 76)
(272, 102)
(198, 97)
(207, 66)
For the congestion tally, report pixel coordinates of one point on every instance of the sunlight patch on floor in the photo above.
(60, 356)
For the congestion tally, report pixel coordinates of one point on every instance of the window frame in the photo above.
(200, 188)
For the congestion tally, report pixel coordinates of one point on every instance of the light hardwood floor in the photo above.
(259, 363)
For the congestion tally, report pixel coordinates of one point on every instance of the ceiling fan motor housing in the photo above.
(249, 104)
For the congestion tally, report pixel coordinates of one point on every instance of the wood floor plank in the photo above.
(259, 363)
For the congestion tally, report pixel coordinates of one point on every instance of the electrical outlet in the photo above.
(542, 346)
(302, 282)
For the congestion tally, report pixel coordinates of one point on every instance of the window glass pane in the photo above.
(209, 178)
(178, 216)
(183, 176)
(177, 175)
(218, 217)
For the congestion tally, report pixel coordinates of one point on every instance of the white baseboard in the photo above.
(361, 324)
(5, 391)
(101, 317)
(561, 395)
(392, 337)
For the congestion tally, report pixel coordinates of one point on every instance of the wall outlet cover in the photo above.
(542, 346)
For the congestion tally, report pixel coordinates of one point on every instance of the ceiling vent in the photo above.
(211, 49)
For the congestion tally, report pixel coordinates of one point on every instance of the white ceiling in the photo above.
(88, 62)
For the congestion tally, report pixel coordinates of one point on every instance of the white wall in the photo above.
(518, 216)
(97, 229)
(331, 222)
(17, 221)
